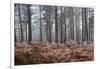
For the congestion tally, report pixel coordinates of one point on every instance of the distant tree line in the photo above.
(54, 23)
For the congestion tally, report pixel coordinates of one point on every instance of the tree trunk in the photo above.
(56, 25)
(15, 35)
(49, 25)
(86, 30)
(20, 23)
(26, 31)
(29, 26)
(61, 26)
(65, 24)
(71, 25)
(83, 25)
(89, 24)
(40, 26)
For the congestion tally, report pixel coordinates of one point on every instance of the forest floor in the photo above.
(45, 52)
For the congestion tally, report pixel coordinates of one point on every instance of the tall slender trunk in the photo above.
(46, 26)
(83, 25)
(26, 31)
(56, 25)
(65, 25)
(89, 24)
(49, 25)
(40, 26)
(71, 25)
(29, 26)
(15, 35)
(61, 26)
(86, 30)
(20, 23)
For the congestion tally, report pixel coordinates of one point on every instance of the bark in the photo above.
(20, 23)
(56, 25)
(40, 26)
(29, 26)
